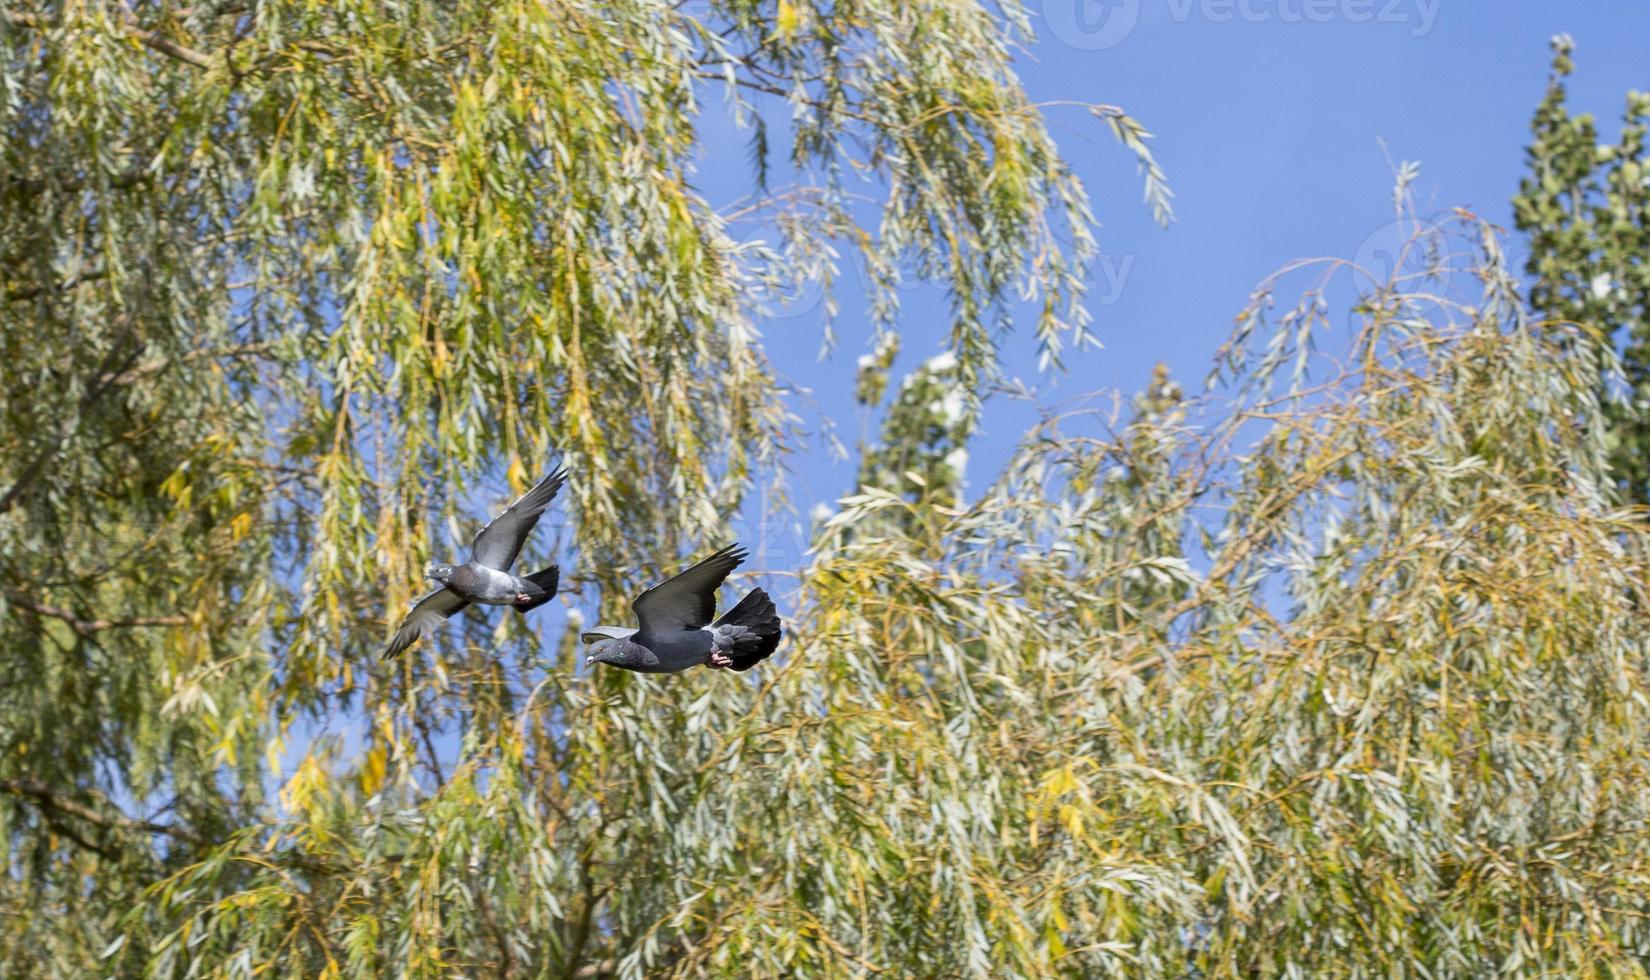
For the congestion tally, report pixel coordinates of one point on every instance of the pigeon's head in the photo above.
(435, 570)
(607, 652)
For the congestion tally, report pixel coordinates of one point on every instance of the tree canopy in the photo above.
(1585, 208)
(1341, 661)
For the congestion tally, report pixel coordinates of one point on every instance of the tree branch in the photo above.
(112, 367)
(49, 800)
(156, 365)
(54, 805)
(30, 292)
(147, 38)
(30, 186)
(86, 627)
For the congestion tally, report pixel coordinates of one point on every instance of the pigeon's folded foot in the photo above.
(719, 660)
(523, 598)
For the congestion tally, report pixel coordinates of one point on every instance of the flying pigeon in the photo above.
(676, 632)
(486, 577)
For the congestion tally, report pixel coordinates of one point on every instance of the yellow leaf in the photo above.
(225, 748)
(788, 19)
(301, 791)
(1072, 817)
(372, 771)
(272, 755)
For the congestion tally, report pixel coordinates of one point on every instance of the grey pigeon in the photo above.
(676, 629)
(486, 577)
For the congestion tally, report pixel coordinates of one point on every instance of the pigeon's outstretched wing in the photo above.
(427, 615)
(596, 634)
(688, 601)
(500, 541)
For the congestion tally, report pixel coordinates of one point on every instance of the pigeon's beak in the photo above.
(589, 660)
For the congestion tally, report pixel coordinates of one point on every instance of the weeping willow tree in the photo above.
(1340, 668)
(291, 291)
(1341, 672)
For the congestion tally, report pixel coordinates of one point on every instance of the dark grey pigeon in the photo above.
(486, 577)
(676, 629)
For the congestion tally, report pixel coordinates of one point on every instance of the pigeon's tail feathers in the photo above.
(750, 630)
(755, 610)
(546, 582)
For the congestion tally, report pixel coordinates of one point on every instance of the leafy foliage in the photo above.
(302, 271)
(1343, 666)
(924, 447)
(1586, 209)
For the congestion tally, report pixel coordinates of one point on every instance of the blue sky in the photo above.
(1270, 118)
